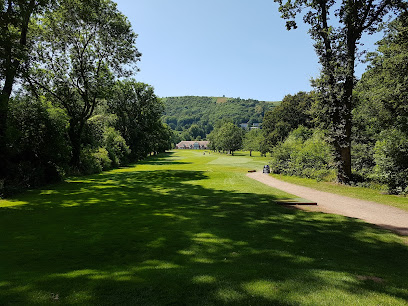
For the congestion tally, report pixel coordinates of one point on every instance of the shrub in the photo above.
(116, 146)
(95, 161)
(391, 158)
(304, 153)
(37, 150)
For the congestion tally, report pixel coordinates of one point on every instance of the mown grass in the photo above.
(350, 191)
(185, 228)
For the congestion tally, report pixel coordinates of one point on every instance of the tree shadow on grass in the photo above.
(153, 238)
(166, 158)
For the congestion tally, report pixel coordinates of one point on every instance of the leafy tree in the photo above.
(38, 146)
(336, 47)
(381, 114)
(138, 112)
(15, 18)
(229, 137)
(82, 46)
(287, 116)
(252, 141)
(383, 90)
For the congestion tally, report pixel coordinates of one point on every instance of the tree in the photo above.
(287, 116)
(252, 141)
(230, 137)
(380, 117)
(139, 111)
(336, 47)
(82, 46)
(15, 18)
(383, 90)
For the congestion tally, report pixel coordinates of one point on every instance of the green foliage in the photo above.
(391, 158)
(228, 137)
(287, 116)
(384, 87)
(37, 147)
(304, 153)
(183, 112)
(337, 28)
(94, 161)
(138, 112)
(15, 46)
(116, 147)
(381, 114)
(82, 46)
(253, 140)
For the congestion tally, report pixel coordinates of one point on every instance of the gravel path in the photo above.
(385, 216)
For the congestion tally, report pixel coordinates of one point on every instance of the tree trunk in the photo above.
(4, 106)
(11, 66)
(75, 135)
(250, 152)
(343, 147)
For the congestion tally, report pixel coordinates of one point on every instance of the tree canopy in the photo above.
(82, 46)
(336, 45)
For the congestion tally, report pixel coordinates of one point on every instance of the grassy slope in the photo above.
(192, 229)
(354, 192)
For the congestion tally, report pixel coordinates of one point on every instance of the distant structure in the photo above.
(254, 126)
(193, 145)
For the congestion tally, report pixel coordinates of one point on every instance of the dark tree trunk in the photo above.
(75, 135)
(343, 143)
(4, 106)
(11, 66)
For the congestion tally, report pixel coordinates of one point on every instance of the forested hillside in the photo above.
(182, 113)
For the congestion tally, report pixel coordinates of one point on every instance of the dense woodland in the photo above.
(194, 117)
(69, 103)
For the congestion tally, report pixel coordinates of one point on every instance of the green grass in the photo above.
(185, 228)
(350, 191)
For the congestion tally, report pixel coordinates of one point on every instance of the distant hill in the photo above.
(182, 112)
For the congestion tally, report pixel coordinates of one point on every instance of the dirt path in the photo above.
(385, 216)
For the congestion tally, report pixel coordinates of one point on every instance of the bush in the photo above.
(391, 158)
(362, 160)
(304, 153)
(37, 150)
(95, 161)
(116, 146)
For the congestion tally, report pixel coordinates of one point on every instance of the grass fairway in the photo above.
(185, 228)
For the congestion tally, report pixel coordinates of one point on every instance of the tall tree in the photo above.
(252, 141)
(337, 49)
(15, 17)
(287, 116)
(83, 45)
(230, 137)
(138, 112)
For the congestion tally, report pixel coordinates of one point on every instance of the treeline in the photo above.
(299, 133)
(227, 137)
(68, 103)
(194, 117)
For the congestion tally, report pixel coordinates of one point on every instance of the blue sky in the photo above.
(236, 48)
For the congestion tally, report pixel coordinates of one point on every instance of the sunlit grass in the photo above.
(186, 228)
(349, 191)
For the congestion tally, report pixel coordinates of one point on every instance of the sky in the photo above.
(236, 48)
